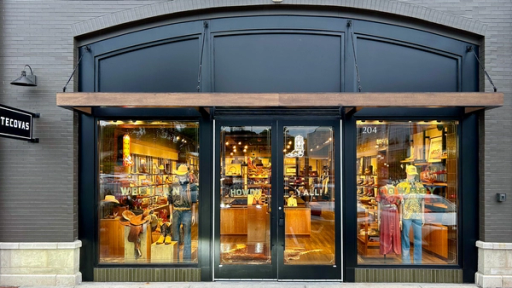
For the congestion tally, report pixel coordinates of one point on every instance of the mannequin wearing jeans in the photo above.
(413, 208)
(182, 205)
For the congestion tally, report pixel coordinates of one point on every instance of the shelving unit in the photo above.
(366, 224)
(374, 172)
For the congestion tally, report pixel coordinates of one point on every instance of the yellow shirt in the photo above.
(412, 194)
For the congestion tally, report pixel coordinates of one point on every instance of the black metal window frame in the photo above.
(89, 184)
(467, 141)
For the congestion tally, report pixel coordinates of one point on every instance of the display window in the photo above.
(148, 191)
(407, 198)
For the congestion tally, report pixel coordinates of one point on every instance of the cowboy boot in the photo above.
(163, 233)
(168, 237)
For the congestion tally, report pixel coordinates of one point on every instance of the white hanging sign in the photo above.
(299, 148)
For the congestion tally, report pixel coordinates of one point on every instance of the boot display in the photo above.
(163, 233)
(168, 233)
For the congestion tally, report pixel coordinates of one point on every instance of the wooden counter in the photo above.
(233, 221)
(258, 220)
(297, 221)
(111, 238)
(255, 222)
(247, 220)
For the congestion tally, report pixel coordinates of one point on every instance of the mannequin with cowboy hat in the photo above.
(182, 207)
(413, 214)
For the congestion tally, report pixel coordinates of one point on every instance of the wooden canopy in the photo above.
(84, 101)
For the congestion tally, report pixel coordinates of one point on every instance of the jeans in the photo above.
(185, 218)
(406, 244)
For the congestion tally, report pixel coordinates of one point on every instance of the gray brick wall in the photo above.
(496, 161)
(38, 181)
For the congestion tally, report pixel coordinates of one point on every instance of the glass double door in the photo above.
(276, 200)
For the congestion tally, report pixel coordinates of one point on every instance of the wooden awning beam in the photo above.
(476, 100)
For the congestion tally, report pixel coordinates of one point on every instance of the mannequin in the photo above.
(389, 219)
(325, 181)
(182, 207)
(413, 214)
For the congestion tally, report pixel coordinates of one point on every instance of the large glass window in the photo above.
(245, 188)
(148, 191)
(407, 199)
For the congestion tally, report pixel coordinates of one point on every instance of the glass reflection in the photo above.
(407, 192)
(245, 195)
(148, 186)
(309, 195)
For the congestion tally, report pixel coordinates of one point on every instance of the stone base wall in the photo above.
(494, 264)
(40, 264)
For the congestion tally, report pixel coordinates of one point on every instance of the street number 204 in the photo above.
(368, 130)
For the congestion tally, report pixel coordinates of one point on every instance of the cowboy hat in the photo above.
(182, 170)
(110, 198)
(411, 170)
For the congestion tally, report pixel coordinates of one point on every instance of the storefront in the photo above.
(326, 168)
(230, 148)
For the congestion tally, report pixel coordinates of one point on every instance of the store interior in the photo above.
(394, 155)
(246, 195)
(141, 163)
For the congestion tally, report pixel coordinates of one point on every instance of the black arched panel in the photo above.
(162, 68)
(395, 67)
(278, 62)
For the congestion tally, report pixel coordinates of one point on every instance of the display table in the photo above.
(145, 244)
(164, 253)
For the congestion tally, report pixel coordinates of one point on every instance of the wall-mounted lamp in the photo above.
(24, 79)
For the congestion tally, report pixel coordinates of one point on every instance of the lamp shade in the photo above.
(25, 80)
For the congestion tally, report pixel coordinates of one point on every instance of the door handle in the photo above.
(281, 221)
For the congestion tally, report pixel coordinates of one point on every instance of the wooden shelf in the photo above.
(366, 225)
(434, 184)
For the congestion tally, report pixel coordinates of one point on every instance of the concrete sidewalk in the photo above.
(266, 284)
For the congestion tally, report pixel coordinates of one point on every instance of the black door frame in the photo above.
(277, 270)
